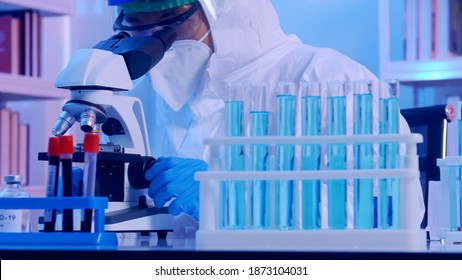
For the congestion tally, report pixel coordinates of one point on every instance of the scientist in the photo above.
(218, 42)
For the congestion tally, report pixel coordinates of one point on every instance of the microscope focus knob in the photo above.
(136, 171)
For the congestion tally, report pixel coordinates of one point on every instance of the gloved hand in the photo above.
(174, 177)
(77, 181)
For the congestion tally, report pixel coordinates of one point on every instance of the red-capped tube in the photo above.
(66, 149)
(53, 146)
(91, 149)
(66, 145)
(52, 182)
(91, 143)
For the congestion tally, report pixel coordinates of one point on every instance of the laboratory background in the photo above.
(412, 41)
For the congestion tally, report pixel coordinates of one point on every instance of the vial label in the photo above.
(10, 220)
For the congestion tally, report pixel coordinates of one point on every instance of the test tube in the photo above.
(66, 151)
(363, 154)
(389, 188)
(286, 95)
(460, 174)
(259, 126)
(91, 149)
(235, 160)
(52, 182)
(311, 154)
(336, 125)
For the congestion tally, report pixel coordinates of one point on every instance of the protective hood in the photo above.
(243, 31)
(246, 36)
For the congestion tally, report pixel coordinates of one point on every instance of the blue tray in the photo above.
(66, 239)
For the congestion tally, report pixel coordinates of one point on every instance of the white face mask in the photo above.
(177, 76)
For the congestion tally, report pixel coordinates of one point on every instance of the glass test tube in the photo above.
(235, 160)
(452, 185)
(389, 188)
(336, 125)
(91, 149)
(311, 154)
(259, 126)
(363, 154)
(286, 95)
(460, 174)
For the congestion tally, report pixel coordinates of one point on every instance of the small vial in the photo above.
(336, 153)
(286, 95)
(13, 220)
(311, 154)
(235, 159)
(389, 188)
(363, 154)
(259, 126)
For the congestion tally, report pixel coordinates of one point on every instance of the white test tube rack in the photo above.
(449, 208)
(211, 235)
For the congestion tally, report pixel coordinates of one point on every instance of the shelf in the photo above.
(17, 88)
(48, 7)
(424, 71)
(420, 35)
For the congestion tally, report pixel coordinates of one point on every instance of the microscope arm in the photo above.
(93, 74)
(113, 63)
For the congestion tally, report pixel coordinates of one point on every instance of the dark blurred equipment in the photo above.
(432, 123)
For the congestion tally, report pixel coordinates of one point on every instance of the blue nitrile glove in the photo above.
(174, 177)
(77, 180)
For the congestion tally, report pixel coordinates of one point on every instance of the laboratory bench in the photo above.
(151, 248)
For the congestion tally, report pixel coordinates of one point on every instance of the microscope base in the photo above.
(128, 217)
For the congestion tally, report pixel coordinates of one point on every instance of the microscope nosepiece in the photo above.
(62, 125)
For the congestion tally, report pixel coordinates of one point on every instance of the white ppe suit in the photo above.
(249, 47)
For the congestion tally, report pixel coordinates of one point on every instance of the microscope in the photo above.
(94, 77)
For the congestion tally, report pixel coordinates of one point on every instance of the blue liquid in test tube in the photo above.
(363, 155)
(285, 155)
(336, 188)
(259, 126)
(389, 188)
(311, 155)
(258, 162)
(235, 161)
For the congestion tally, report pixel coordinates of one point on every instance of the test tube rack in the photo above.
(51, 240)
(450, 210)
(212, 235)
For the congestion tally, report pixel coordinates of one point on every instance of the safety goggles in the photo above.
(172, 18)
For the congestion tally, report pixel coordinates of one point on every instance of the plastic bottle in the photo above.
(15, 220)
